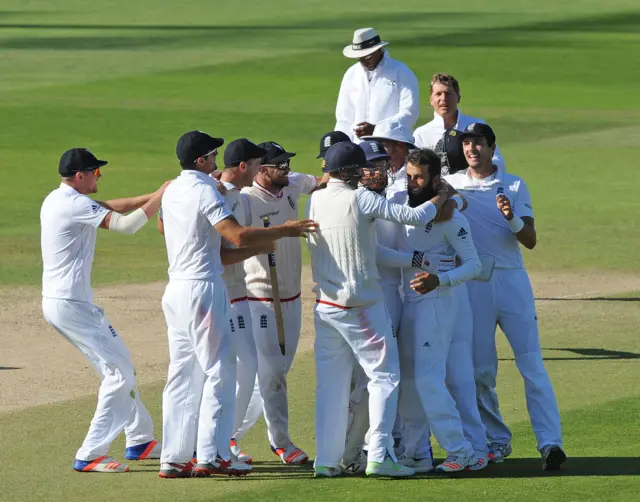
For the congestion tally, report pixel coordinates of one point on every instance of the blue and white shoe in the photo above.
(144, 451)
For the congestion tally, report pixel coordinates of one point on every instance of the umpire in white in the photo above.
(351, 321)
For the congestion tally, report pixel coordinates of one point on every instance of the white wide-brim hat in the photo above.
(365, 41)
(392, 130)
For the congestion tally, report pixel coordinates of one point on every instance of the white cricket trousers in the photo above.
(424, 340)
(460, 373)
(247, 359)
(361, 336)
(119, 405)
(199, 397)
(507, 300)
(272, 365)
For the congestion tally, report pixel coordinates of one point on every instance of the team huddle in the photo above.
(415, 244)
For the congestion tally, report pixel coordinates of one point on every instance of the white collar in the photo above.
(198, 174)
(437, 119)
(229, 186)
(68, 189)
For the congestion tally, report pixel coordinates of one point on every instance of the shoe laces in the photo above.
(498, 447)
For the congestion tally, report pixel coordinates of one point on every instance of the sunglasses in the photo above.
(283, 166)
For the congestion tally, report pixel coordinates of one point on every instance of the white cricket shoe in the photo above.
(389, 468)
(456, 463)
(238, 454)
(326, 472)
(419, 465)
(100, 464)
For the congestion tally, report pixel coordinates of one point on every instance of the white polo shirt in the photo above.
(491, 233)
(428, 135)
(191, 206)
(69, 222)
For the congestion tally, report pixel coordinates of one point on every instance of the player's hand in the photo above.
(364, 129)
(504, 205)
(221, 188)
(445, 213)
(160, 191)
(424, 282)
(295, 228)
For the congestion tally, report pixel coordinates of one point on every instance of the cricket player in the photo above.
(351, 320)
(241, 163)
(501, 218)
(430, 307)
(275, 193)
(200, 391)
(444, 97)
(69, 219)
(376, 88)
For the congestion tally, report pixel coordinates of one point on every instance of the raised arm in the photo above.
(131, 223)
(231, 256)
(241, 236)
(520, 217)
(376, 206)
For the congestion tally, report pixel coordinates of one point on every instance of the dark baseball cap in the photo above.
(374, 150)
(344, 155)
(242, 150)
(195, 144)
(76, 160)
(478, 130)
(275, 153)
(330, 139)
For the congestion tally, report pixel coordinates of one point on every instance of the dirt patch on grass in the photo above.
(38, 366)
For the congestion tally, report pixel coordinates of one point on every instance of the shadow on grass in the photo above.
(587, 354)
(592, 299)
(7, 368)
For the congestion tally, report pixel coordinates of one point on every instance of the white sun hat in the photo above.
(392, 130)
(365, 41)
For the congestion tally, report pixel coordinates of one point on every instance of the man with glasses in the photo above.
(199, 397)
(69, 220)
(275, 193)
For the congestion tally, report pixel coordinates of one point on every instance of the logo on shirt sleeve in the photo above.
(233, 329)
(428, 227)
(526, 204)
(500, 190)
(241, 324)
(263, 321)
(95, 208)
(291, 202)
(462, 233)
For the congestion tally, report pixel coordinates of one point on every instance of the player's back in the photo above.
(343, 250)
(190, 206)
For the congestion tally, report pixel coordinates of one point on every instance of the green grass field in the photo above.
(557, 80)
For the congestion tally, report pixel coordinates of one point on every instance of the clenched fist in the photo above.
(504, 205)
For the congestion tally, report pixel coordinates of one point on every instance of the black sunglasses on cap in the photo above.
(282, 166)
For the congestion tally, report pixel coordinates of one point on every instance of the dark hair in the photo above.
(423, 157)
(445, 79)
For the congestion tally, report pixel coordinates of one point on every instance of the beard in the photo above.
(420, 196)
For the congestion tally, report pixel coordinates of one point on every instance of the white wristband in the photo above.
(515, 224)
(459, 201)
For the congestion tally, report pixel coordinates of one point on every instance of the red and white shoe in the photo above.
(455, 463)
(147, 451)
(100, 464)
(238, 454)
(222, 467)
(169, 470)
(291, 455)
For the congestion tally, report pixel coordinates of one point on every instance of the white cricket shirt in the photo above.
(280, 208)
(428, 135)
(389, 92)
(69, 222)
(191, 206)
(491, 233)
(234, 275)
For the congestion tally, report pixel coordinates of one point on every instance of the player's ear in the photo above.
(459, 98)
(493, 148)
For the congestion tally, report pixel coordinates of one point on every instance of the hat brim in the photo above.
(378, 156)
(362, 53)
(280, 158)
(382, 138)
(96, 165)
(463, 135)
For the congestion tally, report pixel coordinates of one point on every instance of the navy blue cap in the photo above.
(275, 153)
(195, 144)
(344, 155)
(374, 150)
(242, 150)
(479, 130)
(330, 139)
(76, 160)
